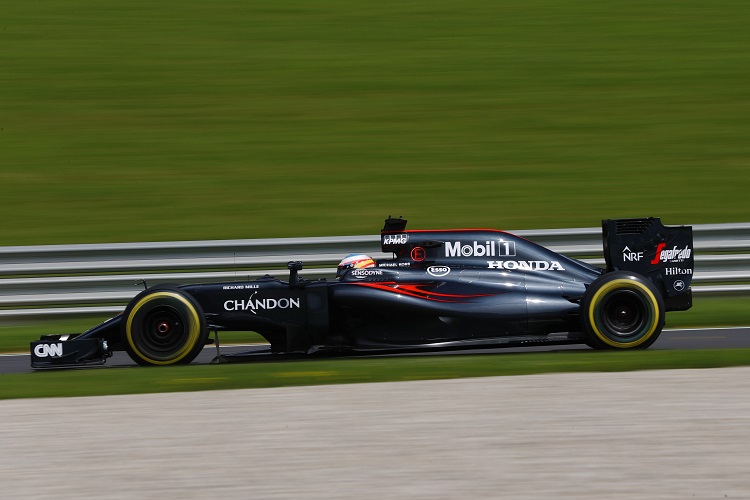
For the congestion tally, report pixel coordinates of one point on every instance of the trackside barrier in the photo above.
(99, 279)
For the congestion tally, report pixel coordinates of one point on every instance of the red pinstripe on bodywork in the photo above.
(416, 290)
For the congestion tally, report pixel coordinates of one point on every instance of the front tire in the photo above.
(622, 310)
(163, 326)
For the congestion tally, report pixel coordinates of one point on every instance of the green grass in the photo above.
(172, 120)
(137, 121)
(277, 374)
(712, 311)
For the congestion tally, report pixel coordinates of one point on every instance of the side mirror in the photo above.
(294, 267)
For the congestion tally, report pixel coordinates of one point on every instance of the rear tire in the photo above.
(163, 326)
(622, 310)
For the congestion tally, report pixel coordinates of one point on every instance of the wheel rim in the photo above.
(163, 331)
(624, 314)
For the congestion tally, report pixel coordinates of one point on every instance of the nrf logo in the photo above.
(630, 256)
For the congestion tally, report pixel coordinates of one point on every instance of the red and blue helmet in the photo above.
(354, 261)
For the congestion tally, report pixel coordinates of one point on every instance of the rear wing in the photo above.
(392, 236)
(663, 254)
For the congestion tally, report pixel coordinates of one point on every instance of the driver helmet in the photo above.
(354, 261)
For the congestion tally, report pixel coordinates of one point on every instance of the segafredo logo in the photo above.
(489, 248)
(253, 305)
(525, 265)
(673, 255)
(51, 350)
(438, 271)
(395, 239)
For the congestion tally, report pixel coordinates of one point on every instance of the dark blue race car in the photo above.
(442, 289)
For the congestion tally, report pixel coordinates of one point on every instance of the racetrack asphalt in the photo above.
(700, 338)
(668, 434)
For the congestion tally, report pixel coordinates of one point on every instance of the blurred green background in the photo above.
(179, 120)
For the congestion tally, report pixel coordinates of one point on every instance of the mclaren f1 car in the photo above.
(441, 289)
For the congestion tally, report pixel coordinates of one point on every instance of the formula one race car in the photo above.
(442, 289)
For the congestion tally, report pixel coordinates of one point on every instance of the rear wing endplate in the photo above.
(664, 254)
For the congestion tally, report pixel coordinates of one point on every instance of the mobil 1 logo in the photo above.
(490, 248)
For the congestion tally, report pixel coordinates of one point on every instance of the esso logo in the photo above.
(438, 271)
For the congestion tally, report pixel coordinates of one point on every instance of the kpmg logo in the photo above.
(395, 239)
